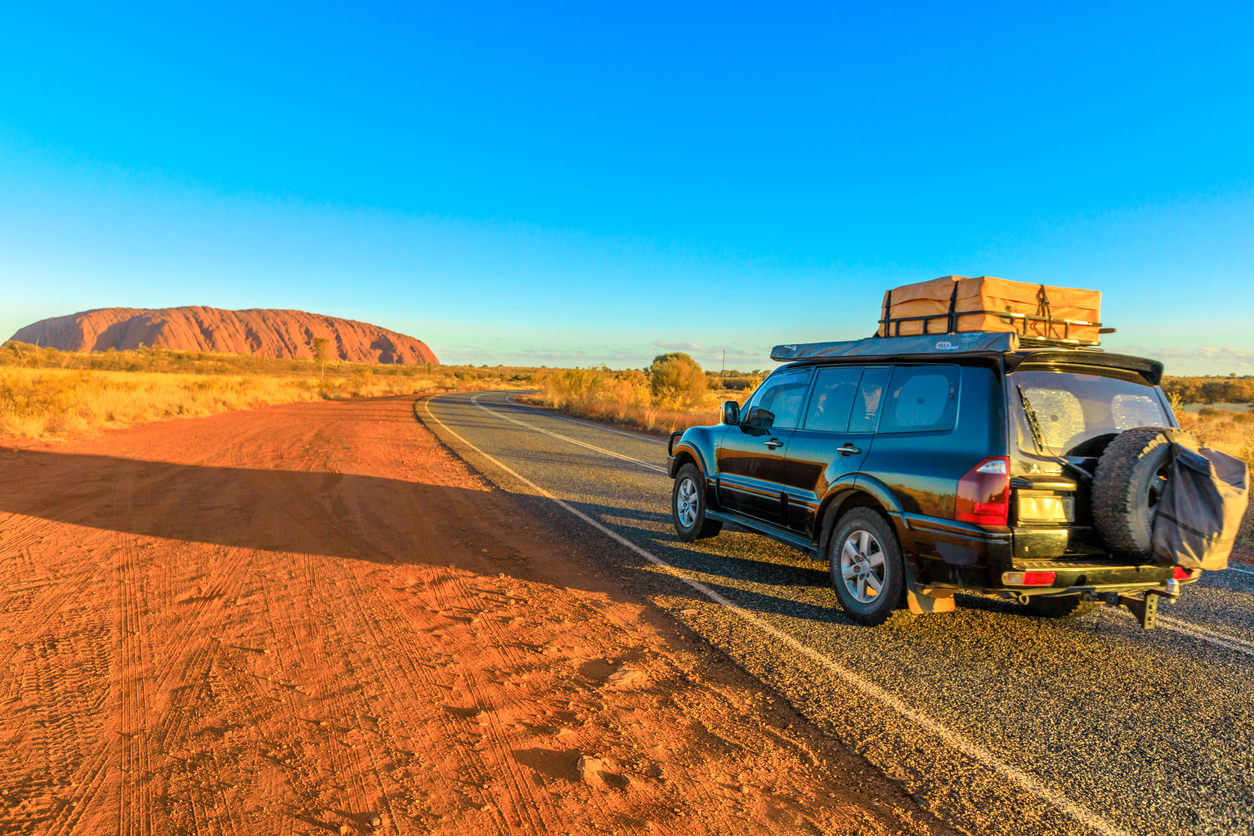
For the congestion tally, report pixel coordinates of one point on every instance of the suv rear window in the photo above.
(1075, 414)
(921, 399)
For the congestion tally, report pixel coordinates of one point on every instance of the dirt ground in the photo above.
(313, 618)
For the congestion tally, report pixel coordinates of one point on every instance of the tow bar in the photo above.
(1145, 607)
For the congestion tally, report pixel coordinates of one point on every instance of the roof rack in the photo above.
(1046, 342)
(1018, 322)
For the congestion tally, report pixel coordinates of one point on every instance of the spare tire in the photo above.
(1129, 480)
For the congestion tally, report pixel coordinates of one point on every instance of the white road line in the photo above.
(475, 400)
(591, 424)
(1188, 628)
(1239, 570)
(1213, 636)
(967, 747)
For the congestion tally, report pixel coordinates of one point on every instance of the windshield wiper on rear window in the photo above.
(1038, 437)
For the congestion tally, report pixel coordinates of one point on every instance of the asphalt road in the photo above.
(998, 722)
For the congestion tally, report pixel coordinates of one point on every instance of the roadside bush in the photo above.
(677, 382)
(737, 382)
(661, 399)
(1211, 389)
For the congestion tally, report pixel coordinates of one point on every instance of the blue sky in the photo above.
(569, 185)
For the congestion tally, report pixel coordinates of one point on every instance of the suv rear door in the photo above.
(751, 455)
(834, 439)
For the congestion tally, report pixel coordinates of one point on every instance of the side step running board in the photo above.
(776, 532)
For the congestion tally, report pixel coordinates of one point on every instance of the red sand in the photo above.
(270, 333)
(300, 618)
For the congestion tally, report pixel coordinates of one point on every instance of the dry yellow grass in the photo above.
(640, 417)
(36, 403)
(625, 398)
(1233, 433)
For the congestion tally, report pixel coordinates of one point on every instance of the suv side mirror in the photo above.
(731, 413)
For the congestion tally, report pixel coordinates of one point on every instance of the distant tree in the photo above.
(320, 354)
(677, 381)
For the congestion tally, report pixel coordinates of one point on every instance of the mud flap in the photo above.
(923, 600)
(921, 604)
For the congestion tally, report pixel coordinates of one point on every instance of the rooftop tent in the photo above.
(967, 343)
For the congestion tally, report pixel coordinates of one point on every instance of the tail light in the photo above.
(1029, 578)
(984, 493)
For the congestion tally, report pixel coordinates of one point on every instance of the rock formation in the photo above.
(271, 333)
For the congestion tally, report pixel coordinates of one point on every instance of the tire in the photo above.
(863, 552)
(1063, 606)
(1126, 486)
(688, 506)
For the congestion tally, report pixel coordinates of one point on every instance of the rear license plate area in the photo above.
(1042, 507)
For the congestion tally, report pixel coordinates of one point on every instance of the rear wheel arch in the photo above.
(839, 504)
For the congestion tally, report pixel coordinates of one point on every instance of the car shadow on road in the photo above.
(343, 515)
(368, 518)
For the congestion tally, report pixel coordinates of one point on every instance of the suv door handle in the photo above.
(774, 442)
(848, 450)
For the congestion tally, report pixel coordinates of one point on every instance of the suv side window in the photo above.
(832, 399)
(780, 399)
(921, 399)
(870, 397)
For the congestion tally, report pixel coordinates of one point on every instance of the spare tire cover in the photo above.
(1129, 480)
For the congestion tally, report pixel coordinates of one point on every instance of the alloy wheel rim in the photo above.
(686, 503)
(863, 569)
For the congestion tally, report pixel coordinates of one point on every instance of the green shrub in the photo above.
(677, 381)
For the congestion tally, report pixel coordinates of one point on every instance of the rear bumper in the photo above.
(1095, 572)
(1090, 578)
(966, 556)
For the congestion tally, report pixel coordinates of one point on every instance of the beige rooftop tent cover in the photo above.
(986, 303)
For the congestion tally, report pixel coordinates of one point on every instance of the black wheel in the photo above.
(868, 573)
(1063, 606)
(1127, 485)
(688, 506)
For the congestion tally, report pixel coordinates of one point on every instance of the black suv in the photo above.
(916, 467)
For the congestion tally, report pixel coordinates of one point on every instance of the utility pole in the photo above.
(723, 371)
